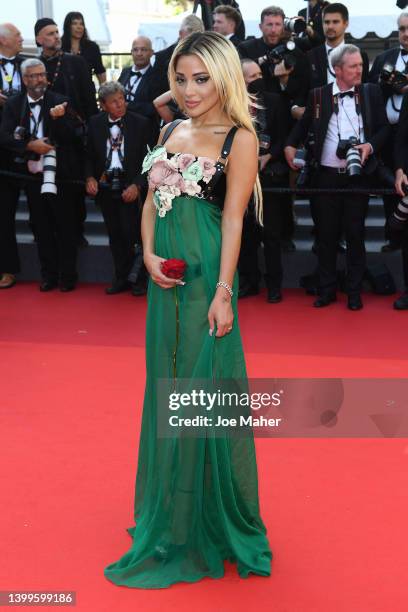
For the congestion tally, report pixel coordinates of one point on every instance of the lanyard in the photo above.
(35, 121)
(8, 77)
(129, 89)
(115, 145)
(358, 111)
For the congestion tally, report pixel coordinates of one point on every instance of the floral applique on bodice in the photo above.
(171, 175)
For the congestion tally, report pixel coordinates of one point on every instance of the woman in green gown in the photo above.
(196, 498)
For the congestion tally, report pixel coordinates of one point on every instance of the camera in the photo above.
(394, 78)
(304, 160)
(300, 159)
(396, 222)
(296, 25)
(346, 150)
(282, 52)
(114, 180)
(264, 143)
(20, 133)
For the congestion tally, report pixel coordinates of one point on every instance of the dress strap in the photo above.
(226, 147)
(170, 128)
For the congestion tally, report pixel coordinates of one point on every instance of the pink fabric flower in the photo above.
(207, 166)
(163, 173)
(185, 160)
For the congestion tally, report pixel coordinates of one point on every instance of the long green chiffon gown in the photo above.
(196, 499)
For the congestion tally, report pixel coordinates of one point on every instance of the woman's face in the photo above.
(77, 28)
(195, 89)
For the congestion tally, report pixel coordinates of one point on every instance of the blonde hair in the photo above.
(221, 59)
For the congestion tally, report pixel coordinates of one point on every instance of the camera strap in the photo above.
(358, 112)
(36, 122)
(115, 145)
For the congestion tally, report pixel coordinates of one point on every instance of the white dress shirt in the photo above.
(135, 80)
(331, 77)
(35, 166)
(115, 161)
(394, 102)
(349, 124)
(15, 83)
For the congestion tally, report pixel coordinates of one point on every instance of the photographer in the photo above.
(398, 219)
(271, 121)
(284, 67)
(349, 126)
(117, 144)
(38, 129)
(390, 71)
(313, 18)
(11, 43)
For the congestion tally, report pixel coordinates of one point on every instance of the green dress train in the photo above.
(196, 499)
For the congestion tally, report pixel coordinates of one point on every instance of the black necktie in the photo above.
(34, 104)
(6, 60)
(136, 73)
(343, 94)
(112, 123)
(404, 52)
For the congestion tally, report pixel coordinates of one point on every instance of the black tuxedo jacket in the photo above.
(318, 66)
(137, 135)
(19, 60)
(149, 88)
(62, 131)
(375, 122)
(387, 57)
(277, 125)
(74, 80)
(236, 40)
(298, 82)
(401, 138)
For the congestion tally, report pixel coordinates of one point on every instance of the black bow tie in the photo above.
(136, 73)
(6, 60)
(404, 52)
(112, 123)
(36, 103)
(343, 94)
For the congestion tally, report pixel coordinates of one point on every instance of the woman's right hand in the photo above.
(153, 265)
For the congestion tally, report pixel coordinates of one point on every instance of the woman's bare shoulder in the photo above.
(244, 143)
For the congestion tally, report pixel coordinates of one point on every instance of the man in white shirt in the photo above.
(339, 115)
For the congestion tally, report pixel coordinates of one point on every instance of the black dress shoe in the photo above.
(48, 285)
(324, 300)
(402, 302)
(354, 302)
(390, 247)
(139, 289)
(246, 290)
(274, 296)
(117, 288)
(65, 287)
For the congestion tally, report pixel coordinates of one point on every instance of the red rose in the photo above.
(174, 268)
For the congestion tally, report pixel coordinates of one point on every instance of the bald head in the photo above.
(11, 41)
(142, 52)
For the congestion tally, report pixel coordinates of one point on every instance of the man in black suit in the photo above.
(11, 43)
(272, 121)
(141, 82)
(68, 75)
(226, 21)
(335, 24)
(117, 145)
(313, 14)
(401, 185)
(335, 113)
(190, 24)
(393, 92)
(39, 131)
(292, 83)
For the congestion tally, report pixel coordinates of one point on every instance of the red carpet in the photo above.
(72, 380)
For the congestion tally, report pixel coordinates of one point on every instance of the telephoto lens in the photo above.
(50, 169)
(397, 220)
(354, 166)
(296, 25)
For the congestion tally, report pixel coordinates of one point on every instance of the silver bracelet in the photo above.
(226, 286)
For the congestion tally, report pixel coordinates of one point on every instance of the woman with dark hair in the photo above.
(75, 40)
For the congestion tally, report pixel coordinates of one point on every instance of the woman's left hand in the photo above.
(220, 313)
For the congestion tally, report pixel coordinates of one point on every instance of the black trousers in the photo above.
(55, 223)
(248, 257)
(332, 212)
(277, 209)
(9, 259)
(404, 252)
(122, 222)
